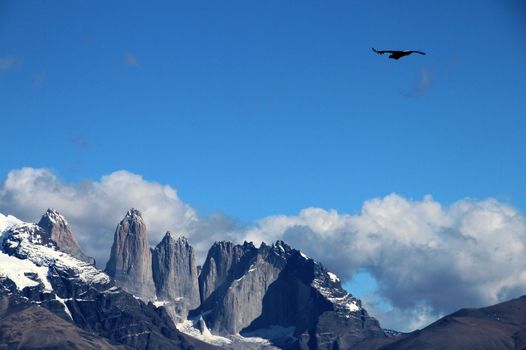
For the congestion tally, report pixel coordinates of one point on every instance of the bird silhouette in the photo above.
(397, 54)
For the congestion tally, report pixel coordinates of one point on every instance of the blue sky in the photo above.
(258, 108)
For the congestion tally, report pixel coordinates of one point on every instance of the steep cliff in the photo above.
(175, 274)
(59, 232)
(130, 262)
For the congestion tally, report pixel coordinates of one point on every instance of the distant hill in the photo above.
(498, 327)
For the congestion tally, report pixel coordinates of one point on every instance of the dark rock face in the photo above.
(175, 273)
(497, 327)
(130, 261)
(59, 232)
(276, 286)
(311, 299)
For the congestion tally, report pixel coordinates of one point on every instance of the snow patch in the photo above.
(17, 269)
(352, 306)
(159, 303)
(188, 327)
(25, 238)
(343, 303)
(333, 277)
(66, 308)
(266, 335)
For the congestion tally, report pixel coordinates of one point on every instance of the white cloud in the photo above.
(95, 207)
(428, 259)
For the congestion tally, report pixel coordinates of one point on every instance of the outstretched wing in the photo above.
(420, 52)
(381, 52)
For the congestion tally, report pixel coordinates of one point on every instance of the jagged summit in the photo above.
(175, 275)
(59, 232)
(54, 215)
(170, 236)
(272, 291)
(130, 262)
(35, 274)
(225, 261)
(250, 290)
(134, 214)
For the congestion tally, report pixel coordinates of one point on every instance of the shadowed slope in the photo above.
(38, 328)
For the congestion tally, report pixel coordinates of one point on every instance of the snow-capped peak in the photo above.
(30, 241)
(55, 217)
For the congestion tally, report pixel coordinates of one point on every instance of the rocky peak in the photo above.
(134, 221)
(33, 272)
(278, 285)
(311, 299)
(281, 247)
(130, 261)
(58, 231)
(225, 260)
(241, 275)
(175, 273)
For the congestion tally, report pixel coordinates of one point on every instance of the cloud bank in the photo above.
(428, 259)
(94, 208)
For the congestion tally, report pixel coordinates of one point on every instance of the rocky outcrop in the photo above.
(175, 274)
(241, 275)
(311, 299)
(58, 231)
(225, 261)
(276, 291)
(130, 262)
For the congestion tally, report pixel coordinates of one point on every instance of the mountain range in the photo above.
(243, 297)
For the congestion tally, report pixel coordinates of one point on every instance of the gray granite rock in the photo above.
(278, 293)
(225, 260)
(243, 275)
(130, 262)
(58, 231)
(175, 273)
(79, 294)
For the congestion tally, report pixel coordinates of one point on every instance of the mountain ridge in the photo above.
(33, 271)
(226, 298)
(244, 297)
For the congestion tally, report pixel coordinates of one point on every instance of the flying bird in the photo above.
(397, 54)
